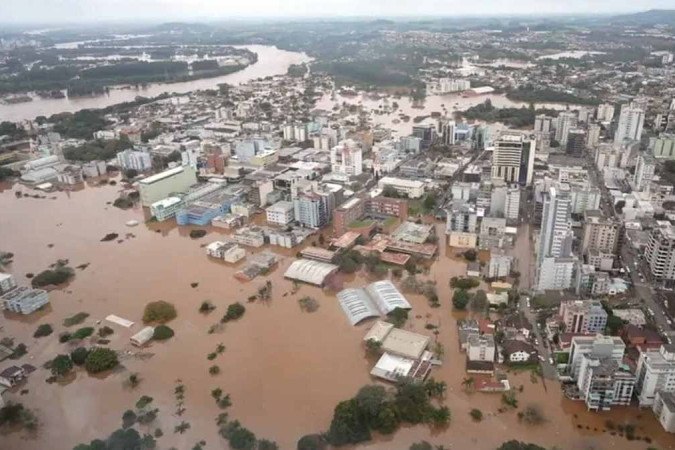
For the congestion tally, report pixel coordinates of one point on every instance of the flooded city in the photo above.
(284, 369)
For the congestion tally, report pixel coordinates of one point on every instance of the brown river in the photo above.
(284, 369)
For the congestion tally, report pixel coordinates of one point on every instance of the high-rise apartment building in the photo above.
(603, 383)
(593, 136)
(600, 233)
(660, 252)
(555, 266)
(598, 346)
(565, 121)
(446, 128)
(543, 123)
(576, 141)
(644, 171)
(655, 372)
(513, 158)
(346, 158)
(605, 112)
(631, 121)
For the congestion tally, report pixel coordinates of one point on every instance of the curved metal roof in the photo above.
(357, 305)
(313, 272)
(386, 296)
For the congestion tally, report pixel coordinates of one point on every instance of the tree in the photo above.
(423, 445)
(398, 317)
(128, 419)
(412, 402)
(61, 366)
(162, 333)
(387, 420)
(264, 444)
(532, 415)
(373, 348)
(509, 399)
(439, 417)
(144, 401)
(470, 255)
(468, 383)
(79, 355)
(479, 301)
(130, 173)
(460, 298)
(349, 425)
(370, 400)
(159, 311)
(311, 442)
(476, 414)
(619, 206)
(234, 312)
(614, 324)
(124, 439)
(100, 359)
(517, 445)
(238, 437)
(43, 330)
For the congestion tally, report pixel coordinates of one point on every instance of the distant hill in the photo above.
(651, 17)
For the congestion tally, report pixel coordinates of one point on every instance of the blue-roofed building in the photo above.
(217, 203)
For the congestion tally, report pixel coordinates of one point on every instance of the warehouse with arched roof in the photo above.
(357, 305)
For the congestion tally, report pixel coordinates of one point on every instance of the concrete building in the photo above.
(631, 121)
(313, 209)
(161, 185)
(7, 283)
(492, 231)
(664, 410)
(481, 347)
(166, 208)
(346, 158)
(513, 158)
(600, 233)
(281, 213)
(411, 188)
(461, 217)
(660, 251)
(605, 112)
(499, 265)
(664, 146)
(595, 347)
(24, 300)
(644, 172)
(583, 316)
(543, 124)
(131, 159)
(593, 136)
(228, 251)
(426, 133)
(565, 121)
(247, 149)
(655, 373)
(576, 141)
(555, 266)
(94, 169)
(603, 383)
(446, 128)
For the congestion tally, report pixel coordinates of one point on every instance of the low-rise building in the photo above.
(410, 188)
(161, 185)
(481, 347)
(7, 283)
(583, 316)
(664, 410)
(518, 351)
(281, 213)
(655, 372)
(24, 300)
(228, 251)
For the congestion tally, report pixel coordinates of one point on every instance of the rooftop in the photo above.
(405, 343)
(162, 175)
(312, 272)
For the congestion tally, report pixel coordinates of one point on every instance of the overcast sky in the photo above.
(52, 11)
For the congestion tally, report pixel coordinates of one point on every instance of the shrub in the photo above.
(464, 283)
(159, 311)
(43, 330)
(206, 307)
(100, 359)
(79, 355)
(64, 337)
(398, 317)
(234, 312)
(308, 304)
(214, 370)
(61, 366)
(312, 442)
(476, 414)
(470, 255)
(82, 333)
(162, 332)
(49, 277)
(532, 415)
(76, 319)
(105, 331)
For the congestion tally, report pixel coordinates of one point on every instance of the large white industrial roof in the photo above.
(386, 296)
(357, 305)
(309, 271)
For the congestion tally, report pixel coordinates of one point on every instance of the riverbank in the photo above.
(271, 61)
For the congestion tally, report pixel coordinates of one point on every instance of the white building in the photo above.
(664, 410)
(594, 346)
(555, 266)
(603, 383)
(565, 121)
(655, 372)
(346, 158)
(631, 121)
(481, 347)
(130, 159)
(94, 169)
(281, 213)
(7, 283)
(411, 188)
(513, 158)
(644, 171)
(499, 265)
(605, 112)
(228, 251)
(24, 300)
(161, 185)
(660, 251)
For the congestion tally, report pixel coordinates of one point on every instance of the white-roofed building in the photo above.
(357, 305)
(386, 296)
(309, 271)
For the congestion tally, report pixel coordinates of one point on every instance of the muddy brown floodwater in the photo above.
(284, 369)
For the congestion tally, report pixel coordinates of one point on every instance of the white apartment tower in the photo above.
(565, 121)
(605, 112)
(655, 373)
(346, 158)
(644, 172)
(630, 124)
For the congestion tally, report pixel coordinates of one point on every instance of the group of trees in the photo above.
(97, 150)
(95, 360)
(514, 117)
(376, 408)
(58, 275)
(79, 125)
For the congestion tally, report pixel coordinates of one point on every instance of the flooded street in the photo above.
(284, 369)
(271, 61)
